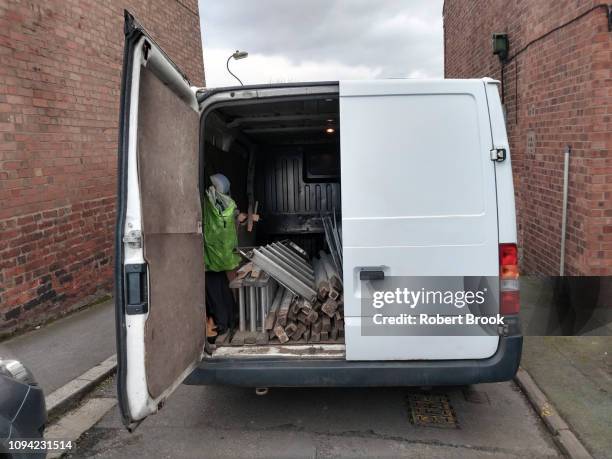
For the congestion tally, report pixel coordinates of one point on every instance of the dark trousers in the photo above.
(219, 300)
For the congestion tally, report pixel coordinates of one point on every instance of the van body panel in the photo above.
(501, 366)
(359, 347)
(503, 170)
(418, 199)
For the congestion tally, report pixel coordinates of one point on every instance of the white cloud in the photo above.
(321, 39)
(262, 69)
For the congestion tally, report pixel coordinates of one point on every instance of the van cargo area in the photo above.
(282, 159)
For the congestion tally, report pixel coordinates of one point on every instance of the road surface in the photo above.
(493, 420)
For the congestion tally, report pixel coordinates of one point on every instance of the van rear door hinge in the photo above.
(498, 154)
(133, 239)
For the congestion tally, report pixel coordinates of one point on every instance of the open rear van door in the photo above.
(159, 267)
(419, 202)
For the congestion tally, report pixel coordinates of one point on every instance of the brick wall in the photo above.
(60, 75)
(557, 92)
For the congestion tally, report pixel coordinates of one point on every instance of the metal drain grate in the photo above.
(431, 410)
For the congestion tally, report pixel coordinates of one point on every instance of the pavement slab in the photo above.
(65, 349)
(575, 373)
(77, 422)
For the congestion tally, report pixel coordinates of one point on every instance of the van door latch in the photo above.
(371, 274)
(136, 289)
(498, 154)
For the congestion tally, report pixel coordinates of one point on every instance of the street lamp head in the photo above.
(236, 56)
(240, 55)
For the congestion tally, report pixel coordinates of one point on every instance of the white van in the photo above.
(420, 171)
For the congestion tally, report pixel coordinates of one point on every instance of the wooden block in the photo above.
(312, 317)
(340, 325)
(290, 329)
(324, 336)
(335, 284)
(329, 307)
(270, 320)
(305, 306)
(325, 324)
(262, 280)
(306, 335)
(236, 283)
(303, 318)
(315, 337)
(338, 315)
(271, 316)
(283, 309)
(250, 338)
(299, 331)
(320, 279)
(296, 306)
(244, 270)
(316, 326)
(332, 275)
(333, 334)
(279, 331)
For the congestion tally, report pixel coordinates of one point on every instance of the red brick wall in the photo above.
(557, 92)
(60, 75)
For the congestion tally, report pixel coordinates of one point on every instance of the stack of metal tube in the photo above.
(333, 236)
(288, 266)
(306, 306)
(255, 288)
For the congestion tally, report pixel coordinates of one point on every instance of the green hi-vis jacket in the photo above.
(220, 237)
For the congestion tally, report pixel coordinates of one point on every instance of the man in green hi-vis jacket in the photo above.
(220, 241)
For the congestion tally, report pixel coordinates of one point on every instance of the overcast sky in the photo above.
(306, 40)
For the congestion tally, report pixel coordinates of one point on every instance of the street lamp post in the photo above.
(237, 55)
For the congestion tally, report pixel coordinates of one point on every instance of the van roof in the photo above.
(433, 82)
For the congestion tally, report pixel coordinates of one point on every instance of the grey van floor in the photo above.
(494, 420)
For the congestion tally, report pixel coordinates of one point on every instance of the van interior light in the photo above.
(330, 130)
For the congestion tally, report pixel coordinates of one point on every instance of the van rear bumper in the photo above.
(502, 366)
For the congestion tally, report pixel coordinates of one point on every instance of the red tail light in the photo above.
(509, 279)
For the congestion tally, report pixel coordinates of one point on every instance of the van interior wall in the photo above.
(297, 166)
(232, 164)
(290, 203)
